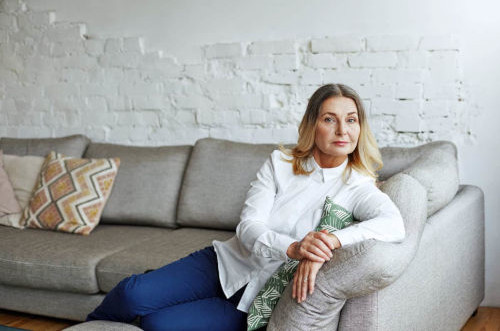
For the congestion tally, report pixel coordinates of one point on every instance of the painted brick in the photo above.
(408, 121)
(391, 43)
(10, 6)
(286, 62)
(255, 62)
(396, 76)
(60, 49)
(194, 101)
(323, 60)
(254, 117)
(82, 61)
(413, 59)
(133, 44)
(443, 42)
(63, 31)
(441, 91)
(408, 91)
(223, 50)
(6, 21)
(372, 60)
(352, 77)
(393, 107)
(242, 101)
(283, 77)
(113, 45)
(439, 108)
(311, 77)
(272, 47)
(337, 44)
(94, 47)
(376, 90)
(225, 85)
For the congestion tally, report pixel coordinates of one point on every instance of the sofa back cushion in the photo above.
(147, 185)
(217, 179)
(74, 145)
(434, 165)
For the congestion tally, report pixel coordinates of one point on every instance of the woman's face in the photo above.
(337, 130)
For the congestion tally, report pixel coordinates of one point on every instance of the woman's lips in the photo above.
(338, 143)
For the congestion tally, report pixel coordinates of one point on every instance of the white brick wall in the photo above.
(56, 80)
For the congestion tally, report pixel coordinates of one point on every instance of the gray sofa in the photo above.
(170, 201)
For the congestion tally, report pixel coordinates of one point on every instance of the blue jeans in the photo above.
(183, 295)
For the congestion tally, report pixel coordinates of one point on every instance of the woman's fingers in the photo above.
(323, 234)
(314, 257)
(323, 247)
(294, 285)
(311, 281)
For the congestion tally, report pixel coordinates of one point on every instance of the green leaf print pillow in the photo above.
(333, 218)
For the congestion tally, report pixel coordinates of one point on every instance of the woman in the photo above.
(212, 289)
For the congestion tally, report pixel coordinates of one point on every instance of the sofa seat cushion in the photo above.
(60, 261)
(154, 253)
(74, 145)
(148, 183)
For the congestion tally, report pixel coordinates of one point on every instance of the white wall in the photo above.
(180, 27)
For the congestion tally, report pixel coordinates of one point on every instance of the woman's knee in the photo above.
(130, 293)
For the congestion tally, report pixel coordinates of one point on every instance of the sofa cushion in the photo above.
(103, 326)
(74, 145)
(8, 201)
(71, 193)
(148, 183)
(60, 261)
(217, 179)
(154, 253)
(433, 164)
(23, 172)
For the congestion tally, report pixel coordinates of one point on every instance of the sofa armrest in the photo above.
(358, 269)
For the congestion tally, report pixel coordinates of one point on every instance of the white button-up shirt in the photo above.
(282, 207)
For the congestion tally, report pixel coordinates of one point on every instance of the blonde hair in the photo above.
(365, 158)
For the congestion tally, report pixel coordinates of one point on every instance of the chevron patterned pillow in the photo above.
(333, 217)
(71, 193)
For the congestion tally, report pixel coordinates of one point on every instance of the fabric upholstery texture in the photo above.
(58, 304)
(358, 269)
(73, 145)
(167, 246)
(23, 172)
(147, 186)
(433, 164)
(8, 201)
(333, 217)
(103, 326)
(218, 177)
(60, 261)
(71, 193)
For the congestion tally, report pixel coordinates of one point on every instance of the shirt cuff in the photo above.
(281, 245)
(346, 236)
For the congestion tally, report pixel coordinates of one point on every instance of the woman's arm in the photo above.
(254, 231)
(379, 216)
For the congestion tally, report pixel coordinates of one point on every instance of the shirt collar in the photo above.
(326, 174)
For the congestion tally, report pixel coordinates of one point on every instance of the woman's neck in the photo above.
(326, 160)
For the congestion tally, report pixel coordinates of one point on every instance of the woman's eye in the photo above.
(329, 119)
(352, 120)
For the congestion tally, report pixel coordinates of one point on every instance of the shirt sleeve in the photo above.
(379, 218)
(253, 231)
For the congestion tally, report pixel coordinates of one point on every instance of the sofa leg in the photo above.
(474, 313)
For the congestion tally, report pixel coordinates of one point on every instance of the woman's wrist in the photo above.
(336, 241)
(290, 252)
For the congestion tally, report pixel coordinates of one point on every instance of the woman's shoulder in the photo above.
(360, 180)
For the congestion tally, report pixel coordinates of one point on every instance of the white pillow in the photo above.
(23, 173)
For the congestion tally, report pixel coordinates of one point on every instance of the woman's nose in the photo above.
(341, 129)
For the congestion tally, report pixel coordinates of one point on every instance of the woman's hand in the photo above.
(304, 279)
(316, 246)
